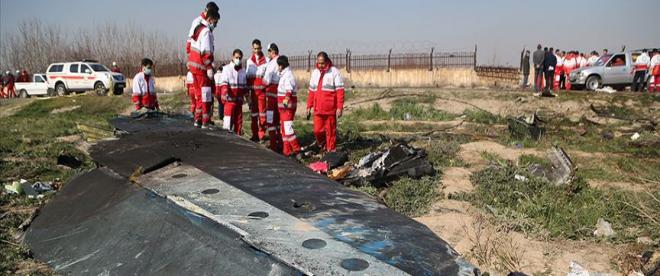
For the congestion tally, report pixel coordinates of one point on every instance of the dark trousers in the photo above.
(562, 81)
(639, 81)
(549, 79)
(538, 77)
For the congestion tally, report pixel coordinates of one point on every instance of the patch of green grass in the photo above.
(418, 111)
(412, 197)
(482, 117)
(442, 150)
(529, 159)
(374, 112)
(367, 189)
(535, 206)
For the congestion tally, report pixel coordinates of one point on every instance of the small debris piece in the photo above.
(576, 269)
(603, 229)
(526, 127)
(340, 173)
(635, 136)
(15, 187)
(335, 159)
(520, 178)
(563, 170)
(69, 161)
(319, 167)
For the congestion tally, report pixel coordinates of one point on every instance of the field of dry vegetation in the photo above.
(477, 202)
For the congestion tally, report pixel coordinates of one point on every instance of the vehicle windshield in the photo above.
(99, 67)
(602, 60)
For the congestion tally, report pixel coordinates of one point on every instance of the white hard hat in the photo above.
(18, 71)
(7, 72)
(114, 63)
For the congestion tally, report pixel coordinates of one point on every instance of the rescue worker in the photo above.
(326, 99)
(217, 80)
(200, 62)
(210, 7)
(582, 60)
(640, 67)
(144, 84)
(559, 70)
(115, 68)
(255, 69)
(593, 58)
(191, 91)
(271, 81)
(9, 91)
(655, 71)
(570, 64)
(286, 103)
(233, 88)
(23, 76)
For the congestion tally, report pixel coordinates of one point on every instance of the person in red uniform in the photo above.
(200, 60)
(210, 7)
(115, 68)
(191, 91)
(255, 69)
(233, 88)
(144, 87)
(23, 76)
(287, 100)
(326, 100)
(8, 80)
(271, 81)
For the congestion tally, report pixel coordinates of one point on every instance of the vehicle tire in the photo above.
(23, 94)
(100, 89)
(593, 83)
(60, 90)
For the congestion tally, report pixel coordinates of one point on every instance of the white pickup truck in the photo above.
(37, 87)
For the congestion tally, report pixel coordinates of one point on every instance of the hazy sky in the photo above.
(499, 28)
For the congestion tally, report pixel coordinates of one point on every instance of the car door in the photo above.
(73, 77)
(616, 69)
(87, 80)
(40, 85)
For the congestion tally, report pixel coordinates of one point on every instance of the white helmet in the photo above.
(7, 73)
(18, 72)
(114, 63)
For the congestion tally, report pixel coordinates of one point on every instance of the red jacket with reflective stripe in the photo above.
(201, 50)
(233, 84)
(255, 70)
(326, 91)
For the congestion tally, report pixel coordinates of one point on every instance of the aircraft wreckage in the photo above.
(170, 199)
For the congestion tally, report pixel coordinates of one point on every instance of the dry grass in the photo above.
(494, 247)
(163, 84)
(458, 77)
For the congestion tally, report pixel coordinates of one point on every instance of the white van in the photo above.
(82, 76)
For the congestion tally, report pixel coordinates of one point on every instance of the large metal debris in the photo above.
(210, 202)
(526, 127)
(400, 160)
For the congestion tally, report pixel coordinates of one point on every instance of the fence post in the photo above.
(348, 61)
(389, 60)
(474, 66)
(431, 60)
(309, 60)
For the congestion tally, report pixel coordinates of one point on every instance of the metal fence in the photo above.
(431, 60)
(388, 61)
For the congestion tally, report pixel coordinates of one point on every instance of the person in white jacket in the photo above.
(144, 87)
(655, 71)
(271, 81)
(641, 67)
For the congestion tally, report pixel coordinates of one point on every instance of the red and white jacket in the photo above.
(643, 62)
(326, 91)
(570, 63)
(144, 85)
(655, 65)
(232, 84)
(255, 70)
(272, 78)
(201, 49)
(198, 20)
(287, 89)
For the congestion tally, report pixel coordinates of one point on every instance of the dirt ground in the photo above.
(466, 227)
